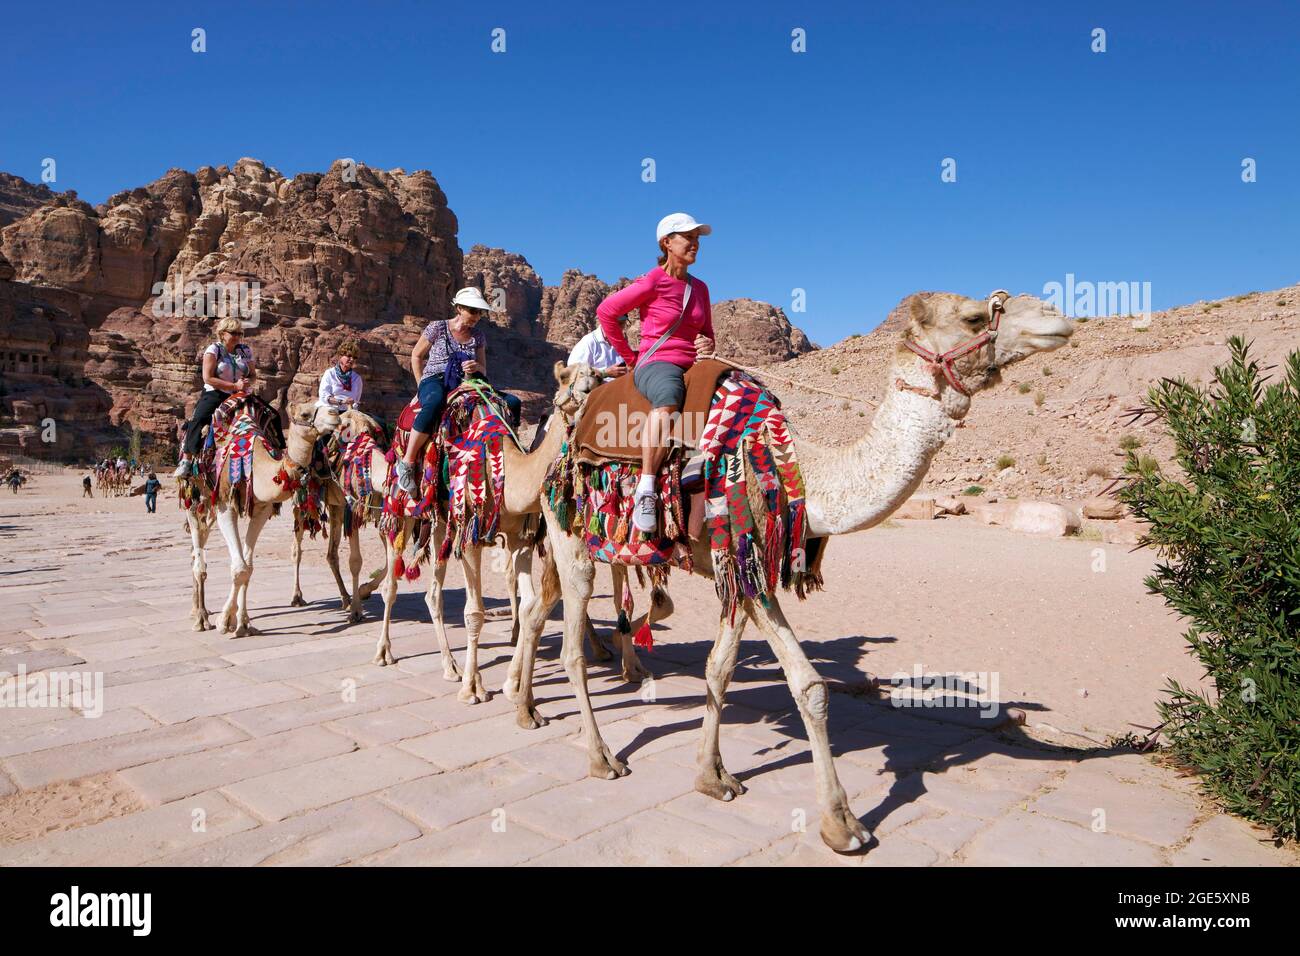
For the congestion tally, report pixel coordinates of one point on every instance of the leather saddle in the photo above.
(615, 414)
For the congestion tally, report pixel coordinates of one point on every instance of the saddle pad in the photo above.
(605, 431)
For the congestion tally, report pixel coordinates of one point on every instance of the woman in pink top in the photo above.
(676, 329)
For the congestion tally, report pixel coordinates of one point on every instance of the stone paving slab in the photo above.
(118, 753)
(1026, 839)
(72, 730)
(302, 711)
(444, 799)
(275, 796)
(163, 781)
(335, 835)
(472, 843)
(135, 839)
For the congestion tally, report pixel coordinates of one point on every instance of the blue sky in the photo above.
(818, 170)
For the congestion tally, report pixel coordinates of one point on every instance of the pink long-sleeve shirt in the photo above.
(659, 297)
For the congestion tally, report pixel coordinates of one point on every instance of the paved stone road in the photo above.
(290, 748)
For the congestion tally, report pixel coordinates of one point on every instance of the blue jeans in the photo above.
(433, 395)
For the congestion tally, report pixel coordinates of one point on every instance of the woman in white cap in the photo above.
(444, 356)
(676, 329)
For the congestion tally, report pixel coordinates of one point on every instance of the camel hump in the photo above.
(611, 422)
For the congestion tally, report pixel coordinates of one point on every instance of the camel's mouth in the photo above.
(1046, 343)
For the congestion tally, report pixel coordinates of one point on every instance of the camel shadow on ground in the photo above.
(911, 742)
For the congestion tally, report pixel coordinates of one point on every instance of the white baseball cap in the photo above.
(471, 298)
(680, 222)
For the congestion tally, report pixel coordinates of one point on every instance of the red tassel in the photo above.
(399, 567)
(643, 636)
(413, 572)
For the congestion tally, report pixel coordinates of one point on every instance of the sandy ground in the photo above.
(1060, 629)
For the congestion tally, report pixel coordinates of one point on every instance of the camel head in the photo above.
(307, 423)
(353, 424)
(576, 383)
(943, 325)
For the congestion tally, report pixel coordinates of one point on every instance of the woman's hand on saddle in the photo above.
(614, 371)
(471, 367)
(704, 347)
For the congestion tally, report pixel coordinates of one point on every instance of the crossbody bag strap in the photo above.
(686, 298)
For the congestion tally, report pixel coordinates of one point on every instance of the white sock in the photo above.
(645, 485)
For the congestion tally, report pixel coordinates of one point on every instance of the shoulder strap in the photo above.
(686, 298)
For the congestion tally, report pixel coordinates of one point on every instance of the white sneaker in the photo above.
(406, 478)
(644, 518)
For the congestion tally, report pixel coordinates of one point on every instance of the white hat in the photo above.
(471, 298)
(679, 222)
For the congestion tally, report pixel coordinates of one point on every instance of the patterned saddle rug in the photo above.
(240, 423)
(745, 437)
(463, 475)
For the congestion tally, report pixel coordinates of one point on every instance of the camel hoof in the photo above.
(608, 767)
(473, 692)
(297, 601)
(530, 718)
(383, 658)
(451, 673)
(843, 833)
(719, 785)
(202, 626)
(636, 674)
(355, 617)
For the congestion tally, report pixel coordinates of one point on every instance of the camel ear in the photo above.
(562, 373)
(920, 312)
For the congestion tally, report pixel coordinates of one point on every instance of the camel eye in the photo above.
(974, 321)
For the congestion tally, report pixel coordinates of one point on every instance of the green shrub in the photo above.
(1227, 529)
(1023, 388)
(1130, 442)
(973, 490)
(1039, 397)
(1005, 461)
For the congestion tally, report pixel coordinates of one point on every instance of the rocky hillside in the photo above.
(18, 197)
(1054, 427)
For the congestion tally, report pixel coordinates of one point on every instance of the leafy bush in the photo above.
(1130, 442)
(1005, 461)
(973, 490)
(1023, 388)
(1227, 530)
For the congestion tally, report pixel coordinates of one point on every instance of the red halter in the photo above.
(943, 362)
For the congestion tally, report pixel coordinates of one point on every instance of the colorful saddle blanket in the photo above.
(463, 480)
(744, 436)
(237, 426)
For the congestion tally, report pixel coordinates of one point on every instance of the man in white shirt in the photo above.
(340, 386)
(595, 350)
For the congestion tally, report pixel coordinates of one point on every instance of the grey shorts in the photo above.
(663, 383)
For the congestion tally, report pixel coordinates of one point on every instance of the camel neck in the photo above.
(854, 488)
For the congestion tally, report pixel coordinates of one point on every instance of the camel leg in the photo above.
(199, 529)
(228, 524)
(577, 574)
(433, 601)
(355, 614)
(533, 611)
(332, 558)
(256, 522)
(296, 600)
(472, 690)
(384, 650)
(713, 778)
(518, 556)
(840, 829)
(661, 606)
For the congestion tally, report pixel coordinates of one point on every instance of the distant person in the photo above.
(340, 385)
(227, 368)
(151, 487)
(85, 488)
(15, 480)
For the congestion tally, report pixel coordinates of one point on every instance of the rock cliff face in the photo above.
(18, 197)
(323, 256)
(103, 317)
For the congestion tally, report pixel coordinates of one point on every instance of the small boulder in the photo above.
(1105, 509)
(1043, 518)
(950, 505)
(917, 508)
